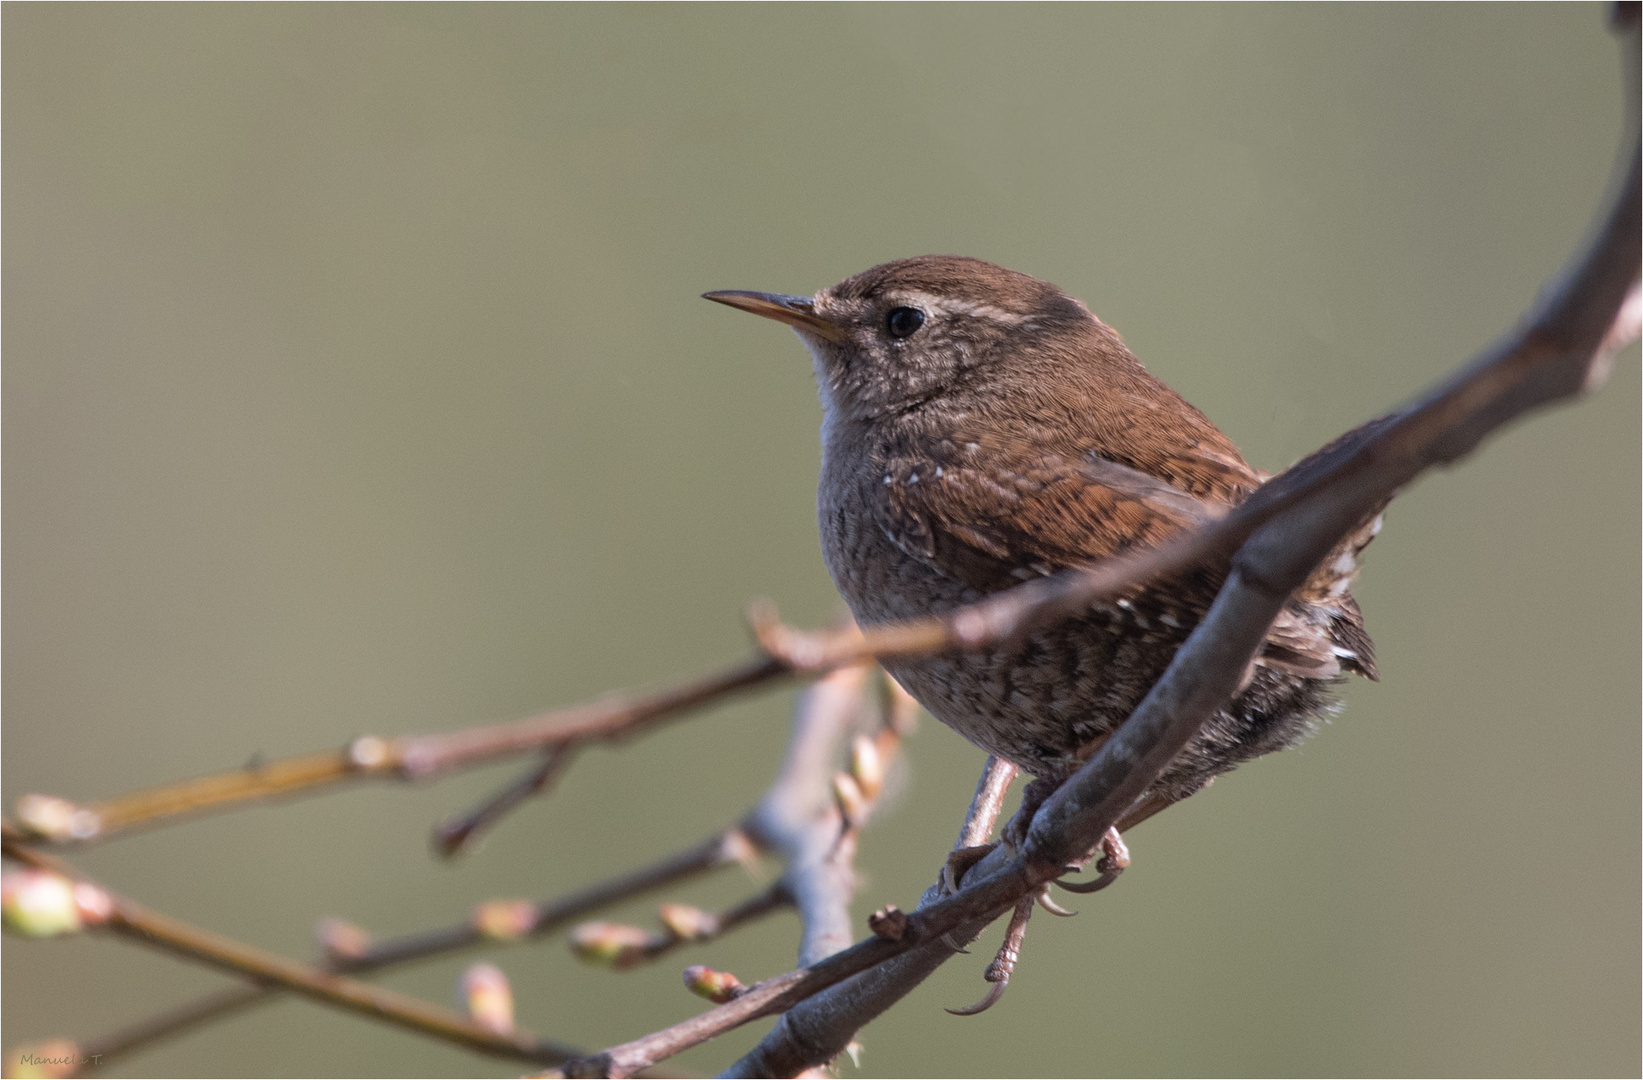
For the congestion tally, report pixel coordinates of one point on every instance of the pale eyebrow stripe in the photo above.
(950, 306)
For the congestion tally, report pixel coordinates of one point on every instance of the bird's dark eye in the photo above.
(903, 321)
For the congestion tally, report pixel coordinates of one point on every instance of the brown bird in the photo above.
(982, 428)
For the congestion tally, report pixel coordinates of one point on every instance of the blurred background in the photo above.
(356, 381)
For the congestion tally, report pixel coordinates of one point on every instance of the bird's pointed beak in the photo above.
(798, 312)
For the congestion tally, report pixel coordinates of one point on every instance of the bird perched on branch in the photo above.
(982, 428)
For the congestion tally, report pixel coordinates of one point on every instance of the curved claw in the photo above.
(993, 994)
(947, 940)
(1088, 886)
(1115, 857)
(1003, 965)
(1052, 907)
(959, 862)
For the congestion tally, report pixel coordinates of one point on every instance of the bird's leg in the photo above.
(1154, 801)
(1115, 855)
(972, 844)
(1032, 797)
(1003, 965)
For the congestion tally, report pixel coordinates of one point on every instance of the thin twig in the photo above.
(728, 846)
(218, 1005)
(627, 947)
(462, 830)
(723, 848)
(718, 924)
(130, 919)
(609, 719)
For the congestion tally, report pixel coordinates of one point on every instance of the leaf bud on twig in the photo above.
(57, 819)
(866, 766)
(368, 752)
(741, 849)
(485, 992)
(688, 923)
(39, 903)
(342, 940)
(717, 986)
(852, 803)
(505, 920)
(611, 945)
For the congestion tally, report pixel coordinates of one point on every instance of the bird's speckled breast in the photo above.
(1032, 703)
(1038, 701)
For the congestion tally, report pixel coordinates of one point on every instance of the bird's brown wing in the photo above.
(992, 527)
(999, 510)
(1031, 512)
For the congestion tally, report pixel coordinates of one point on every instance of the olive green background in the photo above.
(356, 381)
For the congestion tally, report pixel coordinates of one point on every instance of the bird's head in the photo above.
(916, 330)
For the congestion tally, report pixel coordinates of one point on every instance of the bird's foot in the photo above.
(1003, 965)
(1033, 796)
(952, 875)
(1115, 856)
(958, 864)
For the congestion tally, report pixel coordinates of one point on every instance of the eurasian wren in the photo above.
(981, 428)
